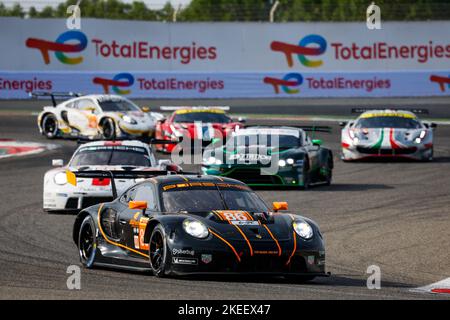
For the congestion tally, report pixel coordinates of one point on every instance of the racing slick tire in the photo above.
(49, 126)
(158, 251)
(299, 279)
(108, 129)
(87, 244)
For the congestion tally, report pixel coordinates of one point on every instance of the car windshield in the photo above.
(388, 122)
(205, 117)
(206, 199)
(272, 140)
(117, 105)
(111, 156)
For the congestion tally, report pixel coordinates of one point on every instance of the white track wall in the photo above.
(224, 60)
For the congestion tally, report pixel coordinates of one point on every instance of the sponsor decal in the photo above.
(206, 258)
(27, 85)
(188, 261)
(121, 80)
(383, 51)
(442, 81)
(290, 81)
(302, 50)
(315, 45)
(333, 83)
(174, 84)
(61, 46)
(185, 252)
(250, 157)
(144, 50)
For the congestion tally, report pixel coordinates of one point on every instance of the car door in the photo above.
(133, 222)
(83, 116)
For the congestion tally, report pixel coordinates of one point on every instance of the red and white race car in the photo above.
(206, 124)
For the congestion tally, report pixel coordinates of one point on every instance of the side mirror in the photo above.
(280, 206)
(145, 109)
(164, 163)
(137, 205)
(317, 142)
(343, 123)
(433, 125)
(242, 120)
(57, 162)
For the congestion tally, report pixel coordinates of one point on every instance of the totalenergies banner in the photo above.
(224, 60)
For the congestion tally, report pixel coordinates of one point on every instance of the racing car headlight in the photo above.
(290, 161)
(282, 163)
(213, 160)
(303, 229)
(423, 133)
(129, 120)
(60, 178)
(195, 228)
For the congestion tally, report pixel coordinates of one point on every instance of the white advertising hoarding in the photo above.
(174, 85)
(229, 59)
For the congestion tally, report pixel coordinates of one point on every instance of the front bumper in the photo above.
(302, 263)
(213, 256)
(361, 152)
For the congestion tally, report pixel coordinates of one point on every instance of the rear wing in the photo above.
(413, 110)
(114, 174)
(151, 141)
(175, 108)
(325, 129)
(54, 95)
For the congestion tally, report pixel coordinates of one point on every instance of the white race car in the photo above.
(387, 134)
(95, 117)
(60, 196)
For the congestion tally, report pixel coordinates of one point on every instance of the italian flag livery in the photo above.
(387, 134)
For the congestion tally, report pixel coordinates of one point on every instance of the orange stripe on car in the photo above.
(112, 242)
(249, 215)
(246, 239)
(217, 214)
(295, 248)
(227, 243)
(274, 239)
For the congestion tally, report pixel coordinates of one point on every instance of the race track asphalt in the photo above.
(393, 215)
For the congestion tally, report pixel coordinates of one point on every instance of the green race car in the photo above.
(272, 156)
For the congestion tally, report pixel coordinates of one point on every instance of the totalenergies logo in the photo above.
(442, 81)
(302, 50)
(289, 84)
(121, 80)
(61, 46)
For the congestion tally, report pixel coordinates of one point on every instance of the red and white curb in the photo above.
(12, 148)
(441, 287)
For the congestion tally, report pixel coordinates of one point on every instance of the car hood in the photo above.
(388, 137)
(255, 228)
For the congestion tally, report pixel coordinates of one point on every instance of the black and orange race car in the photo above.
(177, 225)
